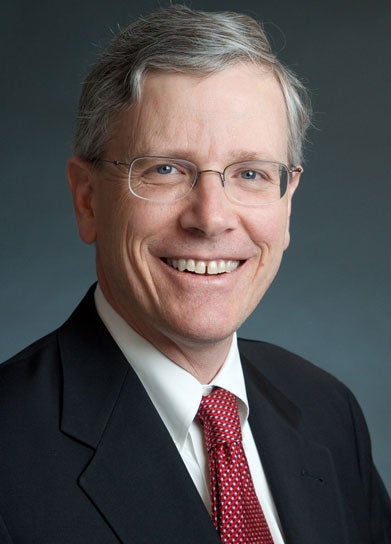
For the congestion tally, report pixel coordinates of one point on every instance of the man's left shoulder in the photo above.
(319, 400)
(289, 372)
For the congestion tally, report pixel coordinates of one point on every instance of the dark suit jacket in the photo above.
(85, 458)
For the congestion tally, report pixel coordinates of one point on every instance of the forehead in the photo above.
(198, 116)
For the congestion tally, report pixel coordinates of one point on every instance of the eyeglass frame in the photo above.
(290, 171)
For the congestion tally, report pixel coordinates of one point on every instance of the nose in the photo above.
(207, 209)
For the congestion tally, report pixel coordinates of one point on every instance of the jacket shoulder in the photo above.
(47, 341)
(27, 377)
(279, 364)
(45, 352)
(305, 384)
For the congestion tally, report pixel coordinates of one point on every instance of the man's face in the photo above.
(212, 121)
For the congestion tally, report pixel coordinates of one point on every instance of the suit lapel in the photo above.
(136, 478)
(300, 472)
(138, 481)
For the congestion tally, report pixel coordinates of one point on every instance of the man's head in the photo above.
(205, 89)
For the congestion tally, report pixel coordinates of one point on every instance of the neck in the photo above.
(200, 360)
(201, 357)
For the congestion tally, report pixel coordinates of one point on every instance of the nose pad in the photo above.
(208, 191)
(221, 175)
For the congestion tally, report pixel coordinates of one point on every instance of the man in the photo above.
(187, 156)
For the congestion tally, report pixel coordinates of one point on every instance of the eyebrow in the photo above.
(246, 155)
(237, 155)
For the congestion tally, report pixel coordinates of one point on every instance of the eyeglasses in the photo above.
(164, 179)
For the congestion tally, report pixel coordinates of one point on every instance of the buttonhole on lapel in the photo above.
(307, 474)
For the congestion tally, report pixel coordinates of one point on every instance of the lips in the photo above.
(219, 266)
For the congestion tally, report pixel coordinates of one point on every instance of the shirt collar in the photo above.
(175, 393)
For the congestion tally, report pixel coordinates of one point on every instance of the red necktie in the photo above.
(236, 512)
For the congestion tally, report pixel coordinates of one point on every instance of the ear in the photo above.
(80, 179)
(291, 190)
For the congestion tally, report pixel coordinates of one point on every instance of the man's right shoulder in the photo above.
(45, 352)
(34, 364)
(46, 342)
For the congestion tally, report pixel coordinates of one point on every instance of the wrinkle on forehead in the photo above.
(194, 116)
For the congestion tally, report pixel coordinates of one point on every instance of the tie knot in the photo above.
(218, 414)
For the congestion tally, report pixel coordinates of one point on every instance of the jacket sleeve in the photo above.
(379, 504)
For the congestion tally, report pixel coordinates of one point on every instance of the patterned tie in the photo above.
(236, 512)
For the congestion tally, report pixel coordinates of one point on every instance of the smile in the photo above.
(204, 267)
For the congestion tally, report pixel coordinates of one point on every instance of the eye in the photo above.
(166, 169)
(156, 172)
(250, 174)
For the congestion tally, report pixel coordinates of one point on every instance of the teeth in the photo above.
(221, 266)
(212, 267)
(202, 267)
(191, 265)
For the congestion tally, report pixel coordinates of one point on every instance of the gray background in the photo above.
(331, 300)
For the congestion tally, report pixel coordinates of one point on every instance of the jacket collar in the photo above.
(94, 371)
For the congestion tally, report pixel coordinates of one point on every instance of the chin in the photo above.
(204, 332)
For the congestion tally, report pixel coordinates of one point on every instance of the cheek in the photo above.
(112, 220)
(268, 230)
(141, 228)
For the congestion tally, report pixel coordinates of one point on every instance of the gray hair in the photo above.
(178, 39)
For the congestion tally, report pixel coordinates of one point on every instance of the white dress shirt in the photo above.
(176, 395)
